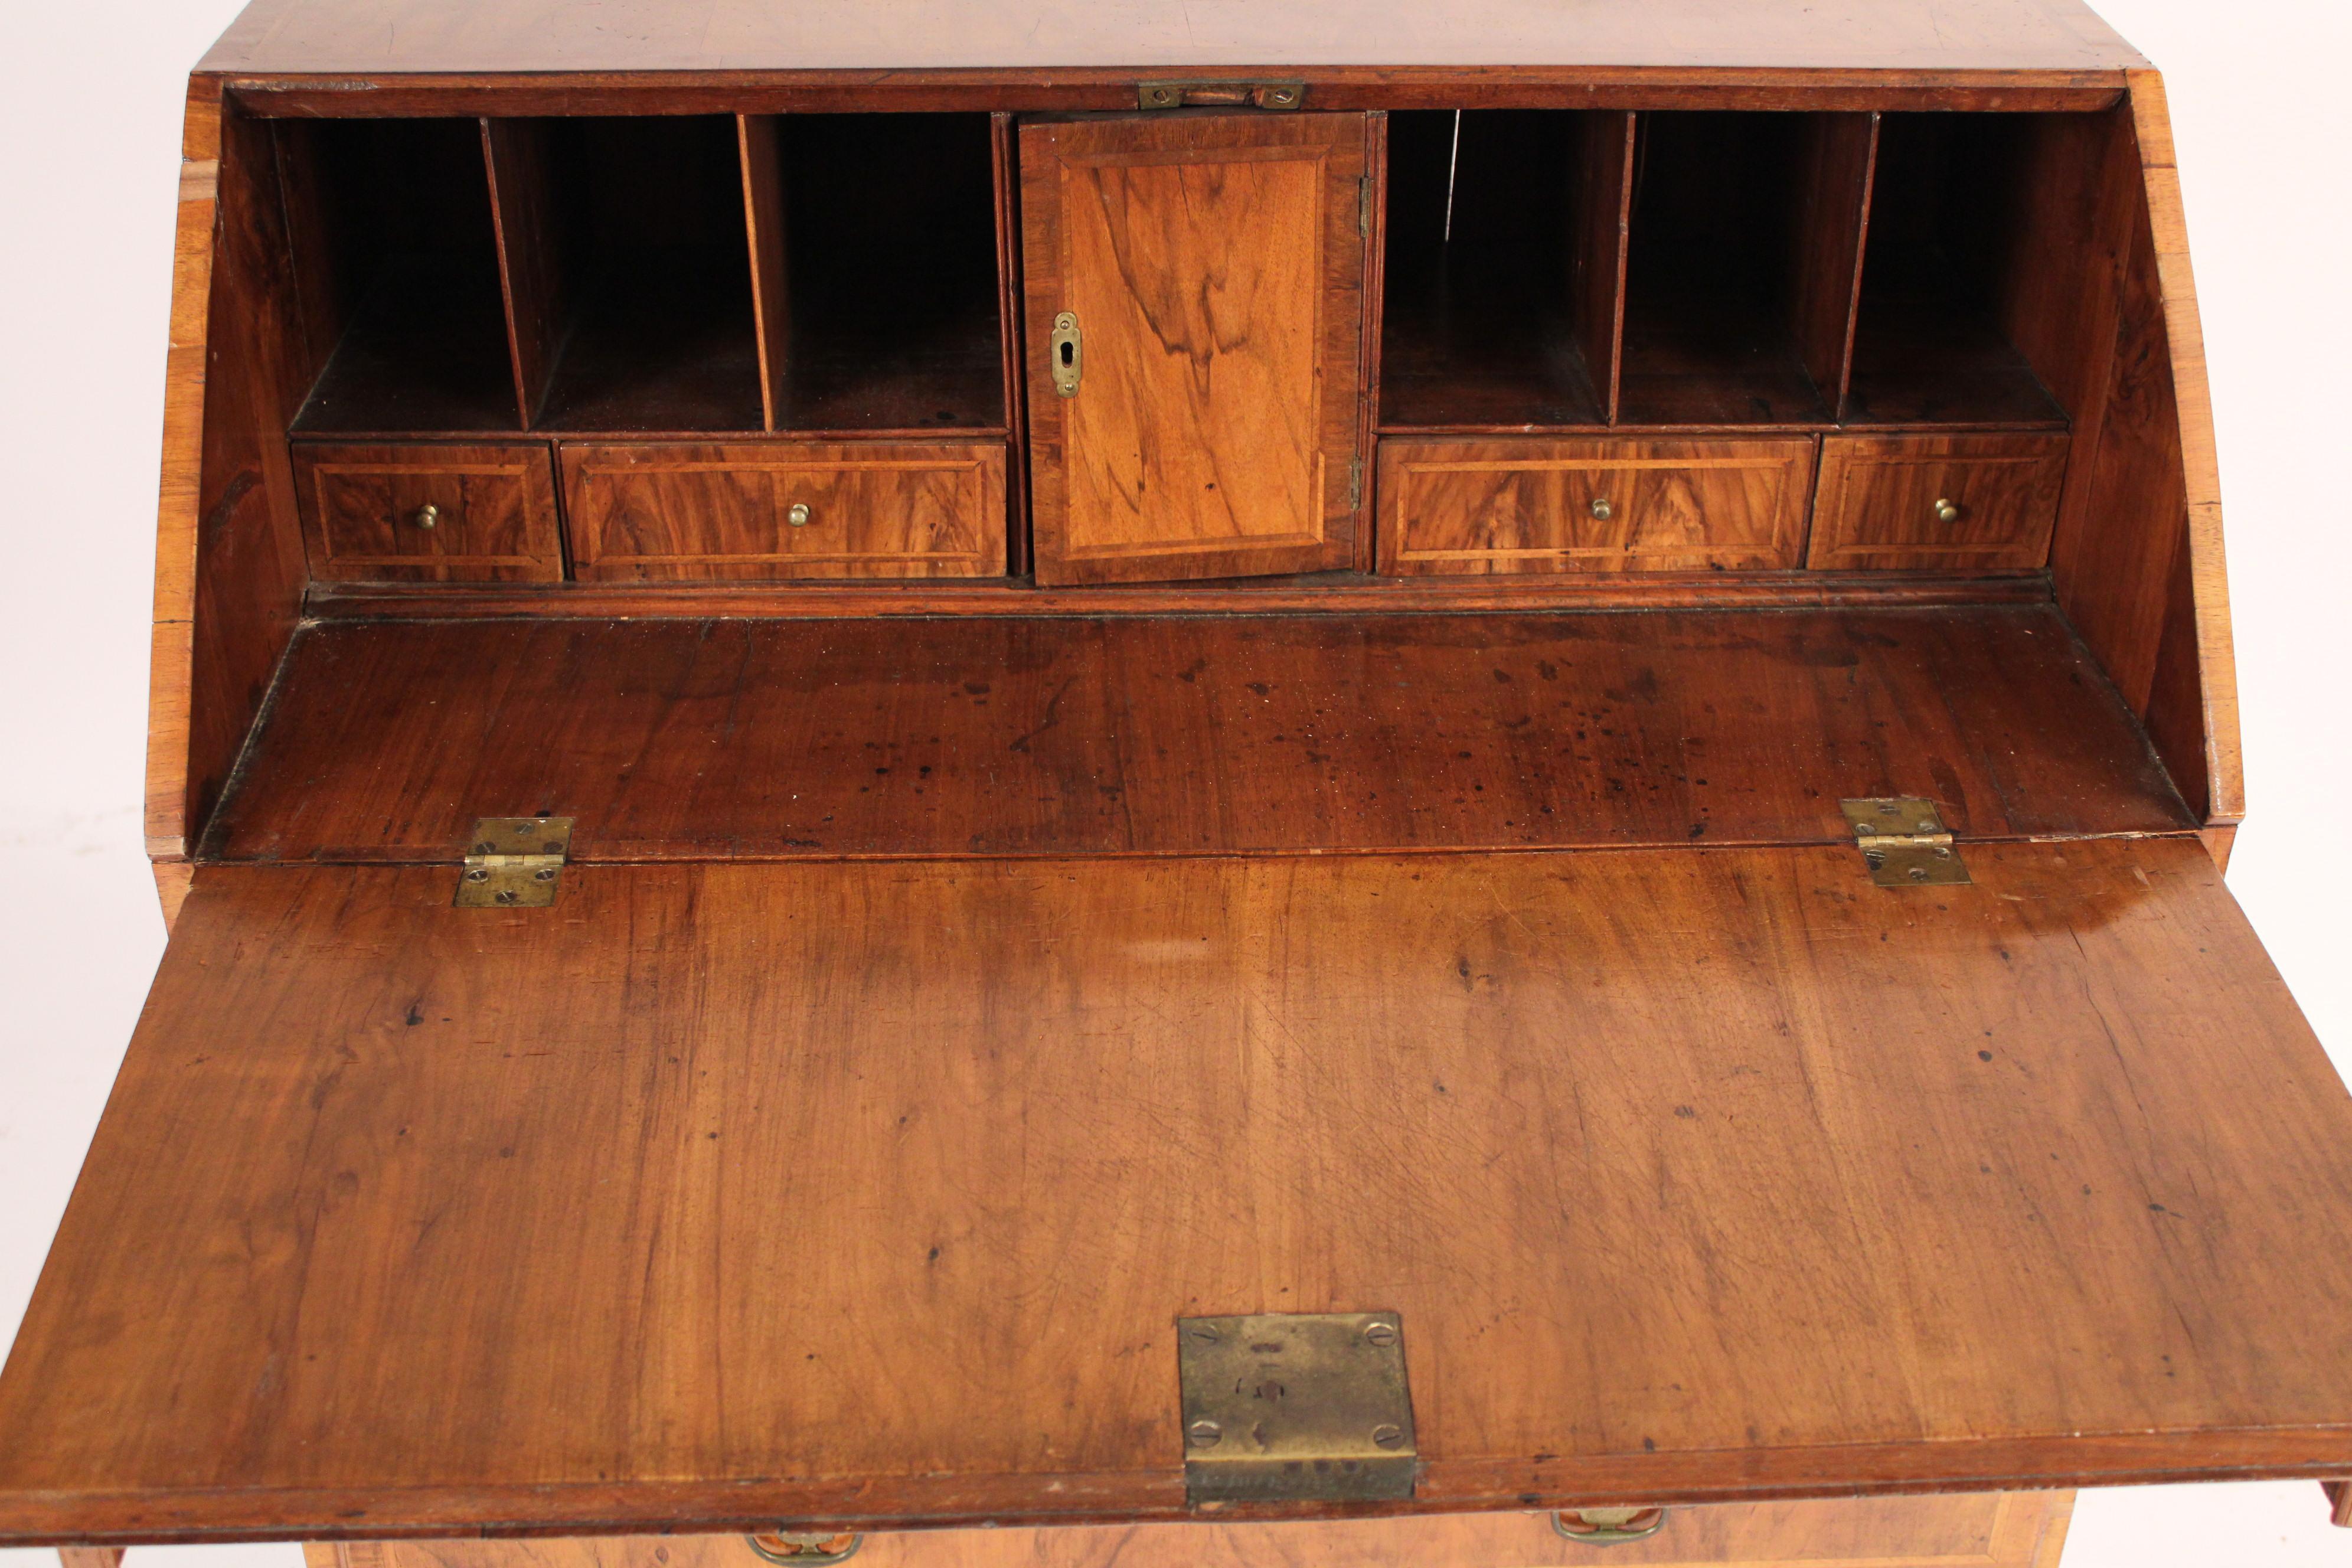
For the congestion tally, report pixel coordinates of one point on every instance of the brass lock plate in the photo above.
(1295, 1407)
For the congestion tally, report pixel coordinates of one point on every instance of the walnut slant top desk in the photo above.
(1225, 783)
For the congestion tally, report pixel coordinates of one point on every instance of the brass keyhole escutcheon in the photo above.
(426, 516)
(1067, 349)
(798, 515)
(1947, 511)
(1602, 510)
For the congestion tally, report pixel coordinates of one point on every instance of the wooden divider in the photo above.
(1832, 225)
(523, 207)
(758, 139)
(1604, 224)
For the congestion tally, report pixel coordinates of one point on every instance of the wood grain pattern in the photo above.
(230, 572)
(897, 1230)
(1878, 498)
(179, 505)
(652, 511)
(2197, 729)
(1215, 264)
(889, 36)
(493, 509)
(1529, 505)
(1990, 1530)
(682, 739)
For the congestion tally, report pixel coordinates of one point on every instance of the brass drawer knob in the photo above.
(805, 1549)
(798, 516)
(1602, 510)
(1946, 512)
(426, 516)
(1608, 1526)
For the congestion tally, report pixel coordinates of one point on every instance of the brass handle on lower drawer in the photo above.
(1602, 510)
(801, 1549)
(1947, 511)
(425, 516)
(1610, 1526)
(798, 515)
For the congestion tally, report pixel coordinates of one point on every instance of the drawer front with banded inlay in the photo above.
(785, 509)
(1952, 503)
(1592, 505)
(425, 512)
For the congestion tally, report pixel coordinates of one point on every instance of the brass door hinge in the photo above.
(1364, 205)
(1355, 483)
(1905, 843)
(1220, 94)
(1295, 1407)
(514, 862)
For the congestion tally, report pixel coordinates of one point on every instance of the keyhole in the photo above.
(1069, 353)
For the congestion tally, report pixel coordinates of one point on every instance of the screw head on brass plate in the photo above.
(1296, 1406)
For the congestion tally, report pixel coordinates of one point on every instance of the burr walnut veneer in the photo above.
(1166, 665)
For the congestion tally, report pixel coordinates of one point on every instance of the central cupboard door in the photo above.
(1198, 282)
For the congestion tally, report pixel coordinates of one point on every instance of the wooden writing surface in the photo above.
(1190, 734)
(716, 1195)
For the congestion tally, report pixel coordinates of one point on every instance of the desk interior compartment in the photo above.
(1982, 235)
(395, 265)
(876, 251)
(1745, 228)
(1505, 237)
(628, 269)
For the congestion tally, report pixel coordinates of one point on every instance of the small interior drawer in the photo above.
(1592, 505)
(427, 513)
(643, 511)
(1937, 502)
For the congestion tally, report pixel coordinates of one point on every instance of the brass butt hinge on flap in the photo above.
(1355, 483)
(1295, 1407)
(514, 863)
(1364, 205)
(1905, 843)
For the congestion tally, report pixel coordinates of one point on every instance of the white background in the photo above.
(90, 123)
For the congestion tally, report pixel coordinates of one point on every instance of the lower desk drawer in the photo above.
(1601, 504)
(419, 512)
(1985, 1530)
(643, 512)
(1951, 503)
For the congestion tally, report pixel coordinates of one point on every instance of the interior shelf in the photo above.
(1505, 232)
(397, 273)
(1740, 267)
(891, 313)
(1948, 207)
